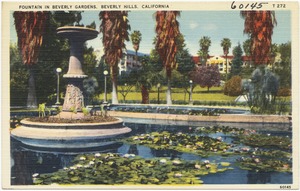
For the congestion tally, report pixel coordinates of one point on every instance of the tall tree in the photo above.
(30, 27)
(146, 77)
(237, 61)
(247, 47)
(204, 43)
(67, 18)
(247, 51)
(136, 38)
(185, 66)
(259, 26)
(18, 76)
(167, 30)
(114, 27)
(226, 44)
(283, 69)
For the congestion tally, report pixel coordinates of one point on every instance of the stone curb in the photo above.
(229, 118)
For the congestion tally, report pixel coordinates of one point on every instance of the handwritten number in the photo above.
(233, 6)
(255, 5)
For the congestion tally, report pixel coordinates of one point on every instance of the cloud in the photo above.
(193, 24)
(209, 27)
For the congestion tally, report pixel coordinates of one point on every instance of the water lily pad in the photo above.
(116, 169)
(200, 145)
(74, 178)
(225, 164)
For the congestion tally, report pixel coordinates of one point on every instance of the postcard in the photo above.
(150, 95)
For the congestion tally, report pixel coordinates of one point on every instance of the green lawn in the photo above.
(199, 94)
(215, 94)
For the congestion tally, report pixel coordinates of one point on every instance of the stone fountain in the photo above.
(71, 135)
(74, 98)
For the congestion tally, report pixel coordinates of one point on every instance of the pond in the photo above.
(29, 163)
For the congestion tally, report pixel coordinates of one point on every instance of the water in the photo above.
(174, 109)
(27, 161)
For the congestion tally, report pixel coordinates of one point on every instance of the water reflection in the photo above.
(258, 177)
(21, 170)
(166, 153)
(133, 150)
(27, 161)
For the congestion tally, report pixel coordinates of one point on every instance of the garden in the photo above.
(167, 81)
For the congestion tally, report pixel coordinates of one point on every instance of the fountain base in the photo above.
(69, 135)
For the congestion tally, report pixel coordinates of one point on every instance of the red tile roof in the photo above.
(197, 59)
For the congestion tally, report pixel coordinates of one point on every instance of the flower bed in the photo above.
(86, 119)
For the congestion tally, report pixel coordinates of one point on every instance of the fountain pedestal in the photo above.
(74, 97)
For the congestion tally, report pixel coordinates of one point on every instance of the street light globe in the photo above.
(105, 72)
(58, 70)
(158, 85)
(191, 81)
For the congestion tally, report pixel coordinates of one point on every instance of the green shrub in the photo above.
(233, 87)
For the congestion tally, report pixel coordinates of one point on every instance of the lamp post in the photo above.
(158, 87)
(105, 92)
(191, 91)
(58, 70)
(125, 92)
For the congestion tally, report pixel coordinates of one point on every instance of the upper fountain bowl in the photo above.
(83, 33)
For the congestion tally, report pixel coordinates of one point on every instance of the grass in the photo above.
(200, 96)
(178, 94)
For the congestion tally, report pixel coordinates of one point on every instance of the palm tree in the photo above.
(114, 27)
(204, 43)
(259, 26)
(247, 47)
(167, 30)
(136, 38)
(30, 27)
(146, 78)
(247, 50)
(226, 44)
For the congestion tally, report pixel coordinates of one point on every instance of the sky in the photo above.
(193, 25)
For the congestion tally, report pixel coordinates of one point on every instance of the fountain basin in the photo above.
(69, 135)
(77, 33)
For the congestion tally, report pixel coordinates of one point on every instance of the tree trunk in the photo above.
(226, 68)
(114, 92)
(169, 96)
(145, 95)
(136, 57)
(31, 98)
(114, 75)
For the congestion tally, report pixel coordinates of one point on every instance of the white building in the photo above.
(128, 62)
